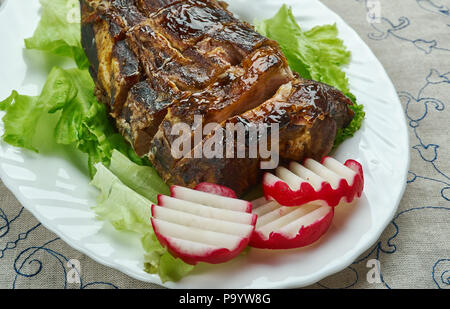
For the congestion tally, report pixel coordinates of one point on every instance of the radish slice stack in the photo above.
(328, 183)
(299, 201)
(209, 224)
(280, 227)
(202, 227)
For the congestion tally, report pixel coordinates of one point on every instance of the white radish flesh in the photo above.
(292, 180)
(206, 211)
(293, 228)
(340, 169)
(311, 177)
(190, 220)
(274, 215)
(277, 224)
(168, 229)
(262, 210)
(203, 227)
(327, 174)
(209, 199)
(191, 247)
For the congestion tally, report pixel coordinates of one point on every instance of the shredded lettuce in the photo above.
(58, 31)
(129, 211)
(316, 54)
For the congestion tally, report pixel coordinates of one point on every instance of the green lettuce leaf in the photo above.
(142, 179)
(158, 260)
(58, 31)
(68, 108)
(316, 54)
(80, 119)
(353, 127)
(20, 120)
(23, 112)
(121, 206)
(129, 211)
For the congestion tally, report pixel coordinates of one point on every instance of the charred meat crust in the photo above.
(188, 71)
(240, 174)
(142, 113)
(88, 37)
(152, 6)
(305, 131)
(328, 99)
(114, 66)
(236, 92)
(157, 63)
(126, 73)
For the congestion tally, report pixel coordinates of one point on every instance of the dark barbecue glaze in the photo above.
(157, 63)
(305, 130)
(237, 92)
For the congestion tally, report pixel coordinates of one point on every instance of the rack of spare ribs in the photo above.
(157, 63)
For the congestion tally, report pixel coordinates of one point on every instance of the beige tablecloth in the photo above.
(412, 40)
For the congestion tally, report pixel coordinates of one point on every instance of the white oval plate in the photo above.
(54, 185)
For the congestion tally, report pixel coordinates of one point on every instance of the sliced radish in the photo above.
(280, 227)
(215, 189)
(202, 227)
(207, 211)
(327, 183)
(210, 199)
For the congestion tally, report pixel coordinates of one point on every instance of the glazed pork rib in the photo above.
(114, 67)
(157, 63)
(236, 92)
(306, 129)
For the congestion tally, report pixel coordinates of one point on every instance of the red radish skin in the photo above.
(278, 190)
(183, 249)
(173, 193)
(215, 189)
(305, 237)
(211, 257)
